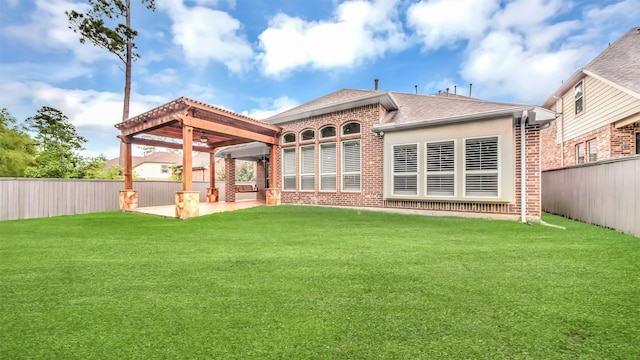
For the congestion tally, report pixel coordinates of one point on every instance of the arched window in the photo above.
(289, 138)
(328, 132)
(351, 128)
(307, 135)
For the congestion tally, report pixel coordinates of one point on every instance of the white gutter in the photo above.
(523, 168)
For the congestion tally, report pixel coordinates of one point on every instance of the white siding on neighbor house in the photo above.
(152, 171)
(603, 104)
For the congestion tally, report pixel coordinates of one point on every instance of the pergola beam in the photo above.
(170, 145)
(147, 125)
(229, 130)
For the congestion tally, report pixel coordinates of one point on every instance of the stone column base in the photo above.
(273, 196)
(212, 195)
(128, 199)
(187, 204)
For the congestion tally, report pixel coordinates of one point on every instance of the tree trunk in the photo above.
(127, 80)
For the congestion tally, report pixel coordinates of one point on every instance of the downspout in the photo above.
(523, 167)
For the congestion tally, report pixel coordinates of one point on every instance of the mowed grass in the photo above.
(293, 282)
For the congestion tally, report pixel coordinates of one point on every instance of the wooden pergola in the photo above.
(195, 126)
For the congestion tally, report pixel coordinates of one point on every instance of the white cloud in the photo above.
(83, 107)
(206, 34)
(48, 29)
(359, 31)
(444, 22)
(270, 107)
(502, 67)
(518, 50)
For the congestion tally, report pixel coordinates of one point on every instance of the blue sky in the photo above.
(260, 57)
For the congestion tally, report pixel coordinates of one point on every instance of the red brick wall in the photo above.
(611, 143)
(371, 180)
(230, 179)
(373, 171)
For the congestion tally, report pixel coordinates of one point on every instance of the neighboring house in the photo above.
(155, 166)
(599, 109)
(370, 148)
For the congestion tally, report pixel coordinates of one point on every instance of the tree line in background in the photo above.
(52, 152)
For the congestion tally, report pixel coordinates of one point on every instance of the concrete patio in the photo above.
(205, 208)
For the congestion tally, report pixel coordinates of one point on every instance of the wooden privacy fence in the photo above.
(605, 193)
(31, 198)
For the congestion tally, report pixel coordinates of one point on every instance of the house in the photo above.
(599, 107)
(155, 166)
(370, 148)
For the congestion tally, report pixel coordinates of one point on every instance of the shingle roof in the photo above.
(620, 62)
(411, 108)
(424, 108)
(156, 157)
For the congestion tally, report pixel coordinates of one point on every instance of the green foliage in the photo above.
(245, 171)
(93, 168)
(296, 282)
(17, 149)
(111, 36)
(58, 144)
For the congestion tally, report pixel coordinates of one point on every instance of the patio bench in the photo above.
(246, 188)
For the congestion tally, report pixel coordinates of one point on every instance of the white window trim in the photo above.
(335, 170)
(455, 170)
(289, 133)
(589, 148)
(347, 123)
(300, 140)
(465, 172)
(301, 167)
(584, 156)
(284, 168)
(417, 173)
(575, 99)
(342, 154)
(327, 137)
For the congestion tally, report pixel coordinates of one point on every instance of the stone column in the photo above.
(212, 195)
(128, 200)
(273, 196)
(187, 204)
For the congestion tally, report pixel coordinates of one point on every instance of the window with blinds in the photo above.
(440, 169)
(405, 169)
(289, 169)
(307, 168)
(328, 167)
(351, 165)
(481, 166)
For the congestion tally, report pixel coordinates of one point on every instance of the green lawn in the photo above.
(294, 282)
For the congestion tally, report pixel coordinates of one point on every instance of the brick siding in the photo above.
(610, 143)
(372, 170)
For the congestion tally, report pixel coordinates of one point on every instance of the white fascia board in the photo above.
(577, 76)
(252, 151)
(515, 112)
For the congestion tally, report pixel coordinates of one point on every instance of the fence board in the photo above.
(605, 193)
(32, 198)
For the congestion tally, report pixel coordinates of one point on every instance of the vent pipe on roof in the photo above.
(439, 92)
(447, 92)
(455, 89)
(470, 85)
(375, 82)
(416, 86)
